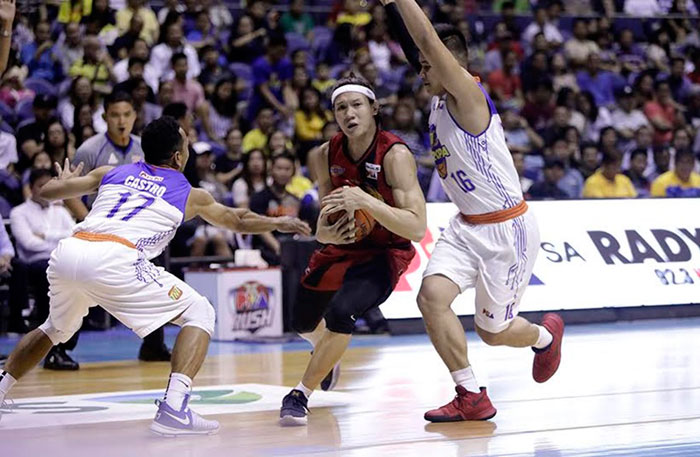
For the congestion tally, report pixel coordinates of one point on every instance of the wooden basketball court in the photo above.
(622, 389)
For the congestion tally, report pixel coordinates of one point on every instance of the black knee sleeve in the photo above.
(340, 319)
(309, 308)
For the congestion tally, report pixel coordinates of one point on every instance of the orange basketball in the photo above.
(364, 222)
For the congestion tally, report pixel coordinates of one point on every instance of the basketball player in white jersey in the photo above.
(492, 243)
(107, 262)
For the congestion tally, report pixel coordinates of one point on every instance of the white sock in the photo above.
(307, 392)
(6, 383)
(179, 385)
(466, 379)
(545, 338)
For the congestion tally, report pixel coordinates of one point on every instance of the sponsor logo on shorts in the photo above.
(174, 293)
(337, 170)
(251, 303)
(373, 170)
(487, 313)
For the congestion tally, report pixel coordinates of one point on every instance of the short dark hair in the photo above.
(177, 56)
(453, 39)
(638, 152)
(611, 157)
(284, 155)
(683, 154)
(277, 39)
(136, 60)
(588, 144)
(661, 82)
(160, 140)
(117, 97)
(37, 174)
(177, 110)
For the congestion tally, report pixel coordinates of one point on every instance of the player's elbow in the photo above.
(418, 233)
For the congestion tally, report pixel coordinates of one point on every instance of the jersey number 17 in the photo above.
(125, 196)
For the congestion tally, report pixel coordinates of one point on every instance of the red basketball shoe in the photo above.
(547, 359)
(466, 406)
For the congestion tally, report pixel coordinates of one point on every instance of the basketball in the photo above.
(364, 222)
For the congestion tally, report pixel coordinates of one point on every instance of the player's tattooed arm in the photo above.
(407, 219)
(69, 183)
(201, 203)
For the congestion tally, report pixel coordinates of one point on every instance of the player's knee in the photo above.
(303, 324)
(340, 320)
(201, 315)
(429, 301)
(490, 338)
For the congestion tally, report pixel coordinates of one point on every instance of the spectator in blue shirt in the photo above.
(272, 75)
(600, 83)
(39, 56)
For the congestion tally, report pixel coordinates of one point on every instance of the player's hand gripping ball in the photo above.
(364, 222)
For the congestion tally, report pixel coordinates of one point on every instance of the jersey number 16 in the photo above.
(464, 183)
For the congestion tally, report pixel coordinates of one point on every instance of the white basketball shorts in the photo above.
(496, 259)
(118, 278)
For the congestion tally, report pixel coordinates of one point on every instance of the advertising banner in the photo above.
(248, 301)
(593, 254)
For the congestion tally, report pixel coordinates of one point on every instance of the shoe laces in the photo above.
(297, 401)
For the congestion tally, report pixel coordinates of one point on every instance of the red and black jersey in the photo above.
(368, 174)
(328, 266)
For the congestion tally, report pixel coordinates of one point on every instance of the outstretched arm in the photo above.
(472, 109)
(398, 30)
(201, 203)
(406, 219)
(69, 184)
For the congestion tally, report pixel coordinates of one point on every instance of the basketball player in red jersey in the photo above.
(362, 167)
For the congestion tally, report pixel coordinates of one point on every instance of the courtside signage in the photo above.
(593, 254)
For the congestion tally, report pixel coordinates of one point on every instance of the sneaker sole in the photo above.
(168, 432)
(459, 419)
(291, 421)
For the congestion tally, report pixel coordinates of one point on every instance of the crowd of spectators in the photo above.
(594, 103)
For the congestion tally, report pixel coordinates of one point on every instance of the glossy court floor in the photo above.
(623, 389)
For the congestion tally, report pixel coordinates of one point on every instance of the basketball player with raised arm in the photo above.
(492, 243)
(137, 211)
(361, 168)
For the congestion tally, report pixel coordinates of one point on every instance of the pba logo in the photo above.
(251, 304)
(337, 170)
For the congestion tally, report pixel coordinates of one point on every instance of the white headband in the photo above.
(353, 88)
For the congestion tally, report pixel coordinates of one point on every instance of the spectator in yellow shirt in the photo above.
(151, 27)
(681, 182)
(264, 126)
(608, 182)
(95, 65)
(353, 14)
(309, 121)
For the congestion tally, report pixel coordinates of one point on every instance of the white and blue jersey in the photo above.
(141, 203)
(476, 171)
